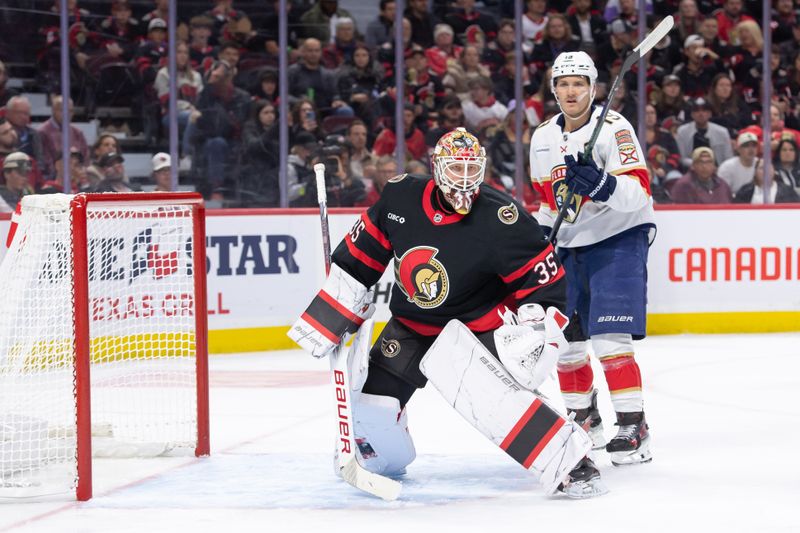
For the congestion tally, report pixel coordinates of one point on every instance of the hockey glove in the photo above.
(340, 307)
(586, 179)
(529, 346)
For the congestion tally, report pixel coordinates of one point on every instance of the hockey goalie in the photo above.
(463, 255)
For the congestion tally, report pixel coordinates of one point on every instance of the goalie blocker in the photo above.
(517, 420)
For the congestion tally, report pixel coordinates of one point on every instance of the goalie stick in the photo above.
(658, 33)
(349, 467)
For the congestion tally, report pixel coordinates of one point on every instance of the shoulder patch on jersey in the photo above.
(543, 124)
(508, 214)
(398, 178)
(623, 137)
(627, 149)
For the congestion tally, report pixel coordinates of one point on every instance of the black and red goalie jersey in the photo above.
(448, 265)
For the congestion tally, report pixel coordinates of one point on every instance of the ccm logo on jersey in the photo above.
(609, 318)
(396, 218)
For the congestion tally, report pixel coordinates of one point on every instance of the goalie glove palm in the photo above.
(530, 350)
(586, 179)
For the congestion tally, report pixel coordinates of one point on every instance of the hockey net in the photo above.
(102, 337)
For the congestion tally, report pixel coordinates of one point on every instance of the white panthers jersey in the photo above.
(618, 152)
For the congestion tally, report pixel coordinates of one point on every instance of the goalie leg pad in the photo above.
(358, 357)
(382, 437)
(518, 421)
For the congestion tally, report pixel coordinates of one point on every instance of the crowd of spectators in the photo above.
(703, 139)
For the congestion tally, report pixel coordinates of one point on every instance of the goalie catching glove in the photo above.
(530, 342)
(340, 307)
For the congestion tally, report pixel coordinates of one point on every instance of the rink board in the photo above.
(722, 270)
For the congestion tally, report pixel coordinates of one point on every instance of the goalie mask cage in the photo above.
(103, 328)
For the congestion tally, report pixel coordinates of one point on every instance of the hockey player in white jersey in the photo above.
(603, 245)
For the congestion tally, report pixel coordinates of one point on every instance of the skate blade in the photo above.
(635, 457)
(581, 490)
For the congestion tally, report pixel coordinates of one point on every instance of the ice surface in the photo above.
(724, 418)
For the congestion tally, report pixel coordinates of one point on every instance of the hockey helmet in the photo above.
(459, 162)
(574, 64)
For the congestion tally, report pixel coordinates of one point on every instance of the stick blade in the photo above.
(375, 484)
(658, 33)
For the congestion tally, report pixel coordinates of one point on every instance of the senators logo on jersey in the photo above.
(422, 278)
(560, 189)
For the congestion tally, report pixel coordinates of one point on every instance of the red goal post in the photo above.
(103, 337)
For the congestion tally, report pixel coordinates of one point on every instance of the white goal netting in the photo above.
(141, 306)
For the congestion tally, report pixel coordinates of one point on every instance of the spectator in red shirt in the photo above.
(443, 50)
(386, 141)
(386, 169)
(777, 127)
(728, 17)
(701, 185)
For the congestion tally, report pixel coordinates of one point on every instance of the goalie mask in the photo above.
(459, 162)
(574, 64)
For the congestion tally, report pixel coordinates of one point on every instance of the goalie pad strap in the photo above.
(330, 317)
(532, 432)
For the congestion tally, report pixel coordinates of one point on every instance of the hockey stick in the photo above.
(352, 472)
(658, 33)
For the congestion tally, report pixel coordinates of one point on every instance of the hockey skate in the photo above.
(583, 481)
(631, 445)
(589, 419)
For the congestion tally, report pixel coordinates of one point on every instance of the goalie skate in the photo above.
(589, 419)
(584, 481)
(631, 445)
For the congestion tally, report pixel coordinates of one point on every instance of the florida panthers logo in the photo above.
(421, 277)
(559, 184)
